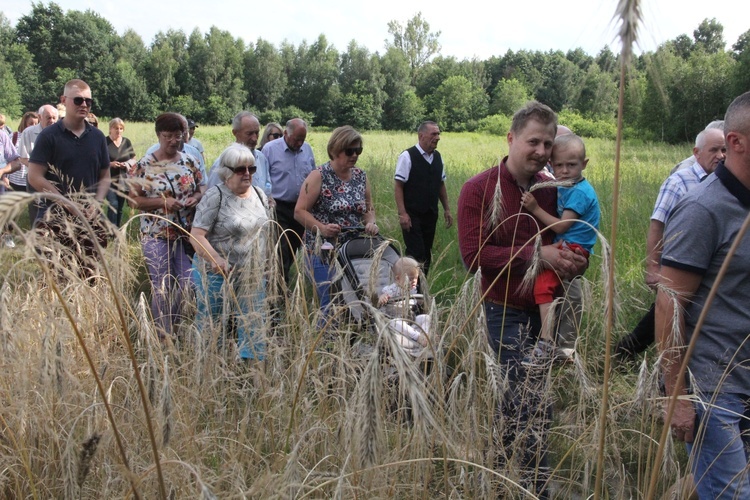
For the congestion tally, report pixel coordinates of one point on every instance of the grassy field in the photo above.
(85, 417)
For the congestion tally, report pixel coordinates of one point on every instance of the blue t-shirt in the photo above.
(580, 198)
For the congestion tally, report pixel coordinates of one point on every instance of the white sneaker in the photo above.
(8, 241)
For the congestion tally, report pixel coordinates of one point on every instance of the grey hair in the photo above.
(423, 126)
(237, 120)
(716, 124)
(700, 139)
(234, 155)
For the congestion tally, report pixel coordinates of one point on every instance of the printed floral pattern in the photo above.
(179, 180)
(340, 202)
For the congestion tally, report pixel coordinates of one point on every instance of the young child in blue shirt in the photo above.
(576, 226)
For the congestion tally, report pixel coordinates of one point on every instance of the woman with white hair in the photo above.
(230, 228)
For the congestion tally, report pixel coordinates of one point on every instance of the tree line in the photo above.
(671, 92)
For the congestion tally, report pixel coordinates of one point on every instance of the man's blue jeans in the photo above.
(525, 410)
(720, 452)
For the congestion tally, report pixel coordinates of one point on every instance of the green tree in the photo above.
(416, 42)
(402, 109)
(313, 80)
(457, 104)
(166, 54)
(560, 81)
(710, 36)
(10, 91)
(36, 32)
(598, 94)
(265, 79)
(741, 54)
(508, 96)
(361, 83)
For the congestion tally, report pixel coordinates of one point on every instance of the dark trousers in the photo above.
(642, 336)
(524, 411)
(291, 237)
(419, 239)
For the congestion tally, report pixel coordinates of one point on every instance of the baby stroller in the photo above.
(361, 283)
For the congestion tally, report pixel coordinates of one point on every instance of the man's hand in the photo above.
(683, 421)
(405, 221)
(565, 262)
(653, 274)
(448, 219)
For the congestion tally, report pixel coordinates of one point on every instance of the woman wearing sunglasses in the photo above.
(230, 229)
(334, 196)
(166, 183)
(272, 131)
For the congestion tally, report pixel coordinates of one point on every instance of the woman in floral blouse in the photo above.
(334, 196)
(165, 184)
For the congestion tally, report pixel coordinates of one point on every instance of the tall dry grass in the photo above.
(315, 419)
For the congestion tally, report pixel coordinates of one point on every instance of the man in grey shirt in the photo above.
(697, 238)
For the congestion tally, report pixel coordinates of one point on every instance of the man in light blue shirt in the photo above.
(246, 130)
(290, 160)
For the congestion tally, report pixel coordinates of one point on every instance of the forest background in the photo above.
(671, 92)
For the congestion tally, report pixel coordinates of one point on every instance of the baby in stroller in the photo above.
(400, 301)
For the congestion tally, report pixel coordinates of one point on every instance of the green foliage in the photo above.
(457, 103)
(415, 41)
(588, 127)
(10, 91)
(495, 125)
(508, 96)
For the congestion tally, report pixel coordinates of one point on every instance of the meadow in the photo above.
(95, 406)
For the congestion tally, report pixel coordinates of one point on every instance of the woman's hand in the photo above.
(172, 204)
(329, 230)
(371, 228)
(219, 266)
(190, 201)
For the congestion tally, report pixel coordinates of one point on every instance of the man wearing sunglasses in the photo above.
(71, 155)
(246, 131)
(419, 183)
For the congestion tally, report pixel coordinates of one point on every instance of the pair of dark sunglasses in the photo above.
(78, 101)
(351, 151)
(275, 135)
(242, 169)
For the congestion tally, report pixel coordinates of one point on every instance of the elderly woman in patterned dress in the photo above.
(166, 183)
(334, 196)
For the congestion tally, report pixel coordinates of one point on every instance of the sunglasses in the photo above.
(352, 151)
(242, 169)
(78, 101)
(275, 135)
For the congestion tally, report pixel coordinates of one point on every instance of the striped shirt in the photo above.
(674, 188)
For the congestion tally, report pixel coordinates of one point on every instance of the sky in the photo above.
(466, 33)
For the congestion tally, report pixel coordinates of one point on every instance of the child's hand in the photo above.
(529, 202)
(383, 299)
(422, 340)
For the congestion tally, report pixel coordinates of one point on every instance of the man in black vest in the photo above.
(419, 183)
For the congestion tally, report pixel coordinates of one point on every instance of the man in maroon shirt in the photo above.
(496, 234)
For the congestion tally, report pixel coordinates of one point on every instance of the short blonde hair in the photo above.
(403, 265)
(342, 138)
(116, 122)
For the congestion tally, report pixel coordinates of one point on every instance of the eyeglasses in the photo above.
(352, 151)
(243, 169)
(275, 135)
(172, 137)
(78, 101)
